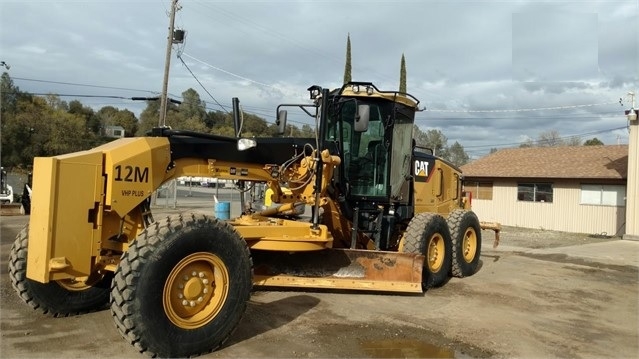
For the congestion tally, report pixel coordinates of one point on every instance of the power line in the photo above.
(70, 95)
(524, 109)
(591, 115)
(83, 85)
(538, 141)
(227, 72)
(201, 85)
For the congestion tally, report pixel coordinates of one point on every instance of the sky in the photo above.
(488, 73)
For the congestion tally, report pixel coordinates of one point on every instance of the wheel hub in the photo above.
(469, 245)
(195, 290)
(435, 253)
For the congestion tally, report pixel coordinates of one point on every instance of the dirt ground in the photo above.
(520, 304)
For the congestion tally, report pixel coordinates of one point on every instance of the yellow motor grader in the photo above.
(386, 216)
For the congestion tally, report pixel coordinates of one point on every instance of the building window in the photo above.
(534, 192)
(603, 195)
(117, 133)
(479, 190)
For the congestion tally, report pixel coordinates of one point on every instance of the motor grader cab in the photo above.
(385, 217)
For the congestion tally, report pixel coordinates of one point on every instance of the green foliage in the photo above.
(111, 116)
(402, 75)
(192, 107)
(347, 66)
(10, 94)
(36, 128)
(593, 142)
(438, 142)
(457, 155)
(149, 117)
(92, 121)
(433, 139)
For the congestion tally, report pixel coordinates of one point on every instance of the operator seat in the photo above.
(377, 156)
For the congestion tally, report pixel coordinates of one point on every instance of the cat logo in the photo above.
(421, 168)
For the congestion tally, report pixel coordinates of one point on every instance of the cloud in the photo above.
(460, 56)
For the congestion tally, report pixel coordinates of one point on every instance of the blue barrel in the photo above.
(223, 210)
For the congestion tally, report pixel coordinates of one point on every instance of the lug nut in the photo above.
(205, 281)
(180, 295)
(200, 299)
(186, 277)
(201, 274)
(192, 303)
(185, 303)
(194, 273)
(205, 290)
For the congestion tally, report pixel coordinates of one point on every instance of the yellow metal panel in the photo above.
(134, 167)
(65, 191)
(282, 235)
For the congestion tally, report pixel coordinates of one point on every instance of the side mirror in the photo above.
(361, 118)
(281, 122)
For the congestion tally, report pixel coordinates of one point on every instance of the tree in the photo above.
(92, 121)
(433, 139)
(192, 106)
(528, 143)
(10, 94)
(307, 131)
(253, 125)
(39, 129)
(437, 141)
(111, 116)
(347, 67)
(55, 102)
(593, 142)
(402, 76)
(457, 155)
(550, 138)
(149, 117)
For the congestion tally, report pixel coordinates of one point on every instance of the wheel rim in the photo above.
(196, 290)
(469, 245)
(435, 253)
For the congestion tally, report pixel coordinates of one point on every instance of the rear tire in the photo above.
(428, 234)
(465, 232)
(182, 287)
(58, 298)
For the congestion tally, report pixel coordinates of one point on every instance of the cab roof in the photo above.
(367, 89)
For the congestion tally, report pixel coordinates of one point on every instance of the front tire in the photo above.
(465, 232)
(182, 287)
(59, 298)
(428, 234)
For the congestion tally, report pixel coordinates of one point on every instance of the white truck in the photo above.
(6, 191)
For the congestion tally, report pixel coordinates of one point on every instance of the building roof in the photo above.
(595, 162)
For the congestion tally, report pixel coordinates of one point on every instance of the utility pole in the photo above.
(167, 64)
(632, 187)
(6, 66)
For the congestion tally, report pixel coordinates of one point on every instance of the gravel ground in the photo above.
(539, 238)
